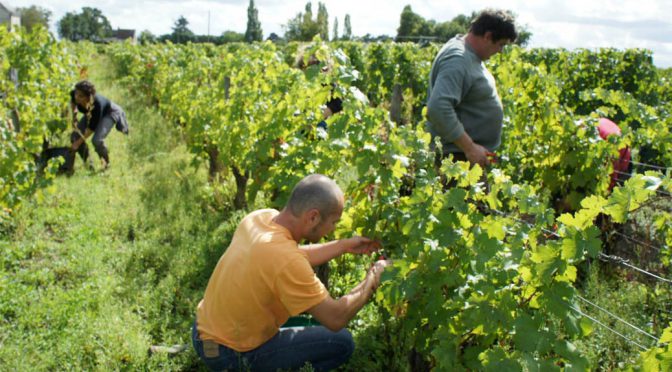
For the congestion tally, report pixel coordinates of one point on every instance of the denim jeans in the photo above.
(290, 349)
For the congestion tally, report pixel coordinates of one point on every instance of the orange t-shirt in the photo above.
(261, 280)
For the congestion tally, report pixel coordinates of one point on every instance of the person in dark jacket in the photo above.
(99, 116)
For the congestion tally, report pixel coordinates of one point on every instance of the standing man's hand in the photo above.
(478, 155)
(475, 153)
(360, 245)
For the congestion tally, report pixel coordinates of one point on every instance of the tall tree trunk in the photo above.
(240, 202)
(215, 164)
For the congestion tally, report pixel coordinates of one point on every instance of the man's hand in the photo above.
(478, 154)
(360, 245)
(376, 271)
(475, 153)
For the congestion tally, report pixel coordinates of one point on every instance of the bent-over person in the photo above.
(265, 276)
(99, 116)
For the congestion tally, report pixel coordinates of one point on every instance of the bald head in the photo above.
(315, 192)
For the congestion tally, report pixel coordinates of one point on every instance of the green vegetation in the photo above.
(33, 16)
(91, 24)
(414, 27)
(100, 266)
(103, 265)
(36, 75)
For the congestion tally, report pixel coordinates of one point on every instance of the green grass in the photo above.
(102, 265)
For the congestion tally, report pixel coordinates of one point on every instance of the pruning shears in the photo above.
(492, 157)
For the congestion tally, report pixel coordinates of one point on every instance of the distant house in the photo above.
(122, 35)
(274, 37)
(9, 17)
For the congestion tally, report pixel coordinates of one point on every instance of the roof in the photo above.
(9, 9)
(123, 34)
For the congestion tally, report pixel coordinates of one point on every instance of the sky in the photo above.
(567, 24)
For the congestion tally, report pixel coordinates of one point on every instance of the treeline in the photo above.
(413, 27)
(91, 24)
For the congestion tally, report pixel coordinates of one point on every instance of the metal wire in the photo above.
(619, 179)
(603, 256)
(619, 319)
(609, 328)
(624, 173)
(650, 165)
(624, 262)
(612, 259)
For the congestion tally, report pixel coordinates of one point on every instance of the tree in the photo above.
(146, 37)
(303, 27)
(293, 28)
(91, 24)
(368, 38)
(524, 36)
(253, 31)
(33, 16)
(323, 21)
(233, 37)
(458, 25)
(447, 30)
(410, 24)
(181, 33)
(335, 34)
(347, 29)
(308, 15)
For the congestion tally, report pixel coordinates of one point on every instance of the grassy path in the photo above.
(104, 264)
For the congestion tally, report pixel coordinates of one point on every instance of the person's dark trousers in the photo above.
(102, 130)
(290, 349)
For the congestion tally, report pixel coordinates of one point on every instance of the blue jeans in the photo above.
(290, 349)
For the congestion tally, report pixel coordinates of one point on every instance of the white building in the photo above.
(9, 17)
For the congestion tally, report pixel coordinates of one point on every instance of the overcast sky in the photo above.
(568, 24)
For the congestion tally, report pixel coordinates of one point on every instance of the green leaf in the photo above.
(495, 229)
(627, 198)
(526, 337)
(586, 326)
(594, 203)
(568, 351)
(570, 250)
(650, 361)
(454, 198)
(544, 253)
(666, 337)
(496, 360)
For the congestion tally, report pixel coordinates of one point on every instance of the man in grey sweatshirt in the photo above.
(463, 107)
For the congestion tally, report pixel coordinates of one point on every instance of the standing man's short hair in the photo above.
(499, 22)
(315, 192)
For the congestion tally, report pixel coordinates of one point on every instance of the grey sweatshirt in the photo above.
(463, 97)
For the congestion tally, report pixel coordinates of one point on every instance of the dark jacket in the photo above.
(101, 107)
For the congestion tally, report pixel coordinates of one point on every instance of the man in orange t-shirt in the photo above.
(264, 277)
